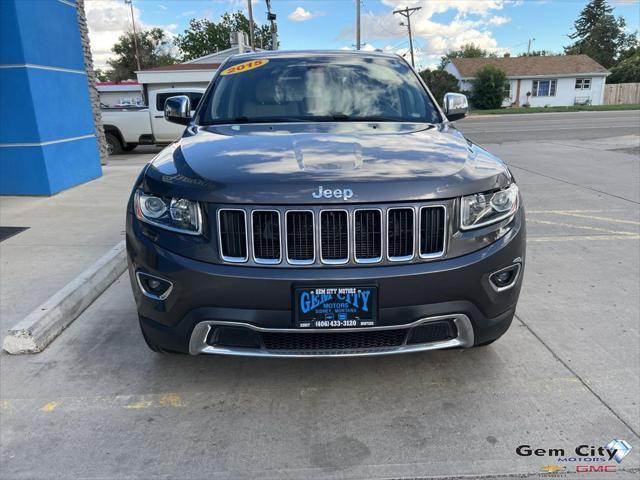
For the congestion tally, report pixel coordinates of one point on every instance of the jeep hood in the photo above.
(286, 163)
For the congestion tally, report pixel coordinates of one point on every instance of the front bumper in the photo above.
(259, 299)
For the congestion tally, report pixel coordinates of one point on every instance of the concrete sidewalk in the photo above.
(66, 234)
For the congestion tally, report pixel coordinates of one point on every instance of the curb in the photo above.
(38, 329)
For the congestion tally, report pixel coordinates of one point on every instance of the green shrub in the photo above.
(489, 88)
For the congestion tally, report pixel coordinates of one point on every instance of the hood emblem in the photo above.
(343, 193)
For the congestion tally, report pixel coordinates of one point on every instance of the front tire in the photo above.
(114, 146)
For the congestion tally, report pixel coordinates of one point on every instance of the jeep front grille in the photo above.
(332, 236)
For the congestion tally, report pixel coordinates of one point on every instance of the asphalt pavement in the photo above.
(527, 127)
(98, 404)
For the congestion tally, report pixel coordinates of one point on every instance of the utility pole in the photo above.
(529, 47)
(357, 24)
(135, 35)
(274, 30)
(252, 40)
(406, 13)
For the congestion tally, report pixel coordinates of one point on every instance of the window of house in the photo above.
(583, 84)
(544, 88)
(510, 90)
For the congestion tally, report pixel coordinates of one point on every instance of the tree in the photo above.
(599, 34)
(626, 71)
(102, 75)
(468, 50)
(440, 82)
(489, 88)
(204, 36)
(154, 50)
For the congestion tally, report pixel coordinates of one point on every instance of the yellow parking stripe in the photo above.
(49, 407)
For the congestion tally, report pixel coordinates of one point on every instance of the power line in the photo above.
(380, 24)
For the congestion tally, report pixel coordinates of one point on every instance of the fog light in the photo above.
(154, 287)
(505, 279)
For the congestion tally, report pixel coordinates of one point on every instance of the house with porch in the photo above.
(558, 80)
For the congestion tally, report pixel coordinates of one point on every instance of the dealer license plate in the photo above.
(335, 307)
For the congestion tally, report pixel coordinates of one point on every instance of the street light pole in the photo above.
(529, 46)
(406, 13)
(135, 35)
(252, 40)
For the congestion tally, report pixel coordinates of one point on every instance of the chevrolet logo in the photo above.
(553, 468)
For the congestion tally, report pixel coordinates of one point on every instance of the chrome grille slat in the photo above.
(300, 237)
(232, 235)
(432, 231)
(315, 235)
(368, 235)
(266, 236)
(334, 236)
(400, 234)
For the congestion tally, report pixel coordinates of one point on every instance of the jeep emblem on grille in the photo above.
(344, 193)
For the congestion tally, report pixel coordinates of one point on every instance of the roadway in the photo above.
(550, 126)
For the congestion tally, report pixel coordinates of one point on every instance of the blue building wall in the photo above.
(47, 134)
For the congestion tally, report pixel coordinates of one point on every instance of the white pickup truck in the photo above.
(126, 128)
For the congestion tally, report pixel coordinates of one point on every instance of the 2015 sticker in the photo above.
(245, 66)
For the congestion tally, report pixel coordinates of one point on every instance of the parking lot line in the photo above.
(581, 227)
(581, 238)
(594, 217)
(49, 407)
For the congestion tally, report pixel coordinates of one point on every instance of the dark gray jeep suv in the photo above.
(321, 204)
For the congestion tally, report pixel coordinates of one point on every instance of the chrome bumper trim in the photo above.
(198, 342)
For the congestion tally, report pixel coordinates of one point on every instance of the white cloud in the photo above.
(188, 13)
(107, 21)
(302, 15)
(499, 20)
(472, 23)
(162, 7)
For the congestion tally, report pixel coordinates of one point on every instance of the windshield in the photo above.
(323, 88)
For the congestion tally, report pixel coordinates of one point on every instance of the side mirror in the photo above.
(456, 106)
(178, 110)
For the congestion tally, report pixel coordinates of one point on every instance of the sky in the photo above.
(499, 26)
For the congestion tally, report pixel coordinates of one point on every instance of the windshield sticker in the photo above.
(244, 67)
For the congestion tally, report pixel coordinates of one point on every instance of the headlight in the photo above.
(175, 214)
(484, 209)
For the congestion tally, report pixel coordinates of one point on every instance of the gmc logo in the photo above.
(595, 468)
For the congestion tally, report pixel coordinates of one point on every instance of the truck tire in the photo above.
(114, 146)
(130, 147)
